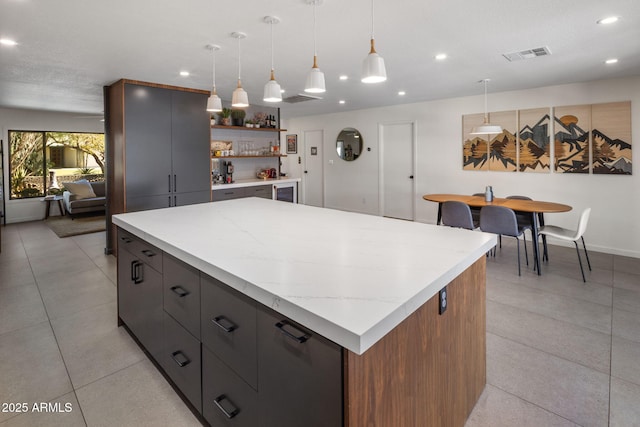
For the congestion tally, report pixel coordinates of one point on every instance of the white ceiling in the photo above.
(69, 49)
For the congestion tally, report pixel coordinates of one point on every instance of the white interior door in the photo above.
(313, 176)
(397, 165)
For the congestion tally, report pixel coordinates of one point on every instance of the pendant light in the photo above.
(486, 128)
(272, 91)
(239, 99)
(373, 70)
(214, 103)
(315, 78)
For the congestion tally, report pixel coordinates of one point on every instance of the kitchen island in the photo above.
(344, 312)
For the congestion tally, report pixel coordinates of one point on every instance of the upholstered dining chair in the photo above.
(457, 214)
(502, 221)
(570, 236)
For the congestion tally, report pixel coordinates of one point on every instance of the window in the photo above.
(40, 161)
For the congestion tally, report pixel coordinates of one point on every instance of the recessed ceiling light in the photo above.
(608, 20)
(8, 42)
(184, 73)
(402, 93)
(342, 101)
(441, 56)
(611, 61)
(344, 77)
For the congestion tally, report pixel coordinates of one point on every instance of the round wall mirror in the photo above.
(349, 144)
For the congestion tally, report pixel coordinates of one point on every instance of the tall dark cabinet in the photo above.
(157, 148)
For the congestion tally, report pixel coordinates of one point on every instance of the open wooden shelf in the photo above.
(246, 128)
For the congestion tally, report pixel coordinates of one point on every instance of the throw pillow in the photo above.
(81, 189)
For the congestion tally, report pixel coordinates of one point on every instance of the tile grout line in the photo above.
(53, 332)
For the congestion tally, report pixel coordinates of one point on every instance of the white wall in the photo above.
(353, 186)
(15, 119)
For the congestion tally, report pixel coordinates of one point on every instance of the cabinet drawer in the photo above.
(146, 252)
(181, 288)
(263, 191)
(180, 359)
(299, 374)
(228, 194)
(228, 327)
(140, 300)
(226, 398)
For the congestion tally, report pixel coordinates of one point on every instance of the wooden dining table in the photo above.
(534, 207)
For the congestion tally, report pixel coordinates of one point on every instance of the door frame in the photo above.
(414, 165)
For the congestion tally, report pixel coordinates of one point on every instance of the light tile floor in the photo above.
(559, 352)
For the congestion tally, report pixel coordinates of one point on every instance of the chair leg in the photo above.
(580, 261)
(518, 240)
(500, 240)
(526, 255)
(586, 253)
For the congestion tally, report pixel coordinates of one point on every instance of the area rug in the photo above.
(64, 226)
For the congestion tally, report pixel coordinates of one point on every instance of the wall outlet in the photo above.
(443, 300)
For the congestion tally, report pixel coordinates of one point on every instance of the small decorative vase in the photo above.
(225, 121)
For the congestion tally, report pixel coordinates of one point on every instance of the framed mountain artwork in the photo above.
(534, 140)
(502, 147)
(475, 148)
(572, 125)
(611, 138)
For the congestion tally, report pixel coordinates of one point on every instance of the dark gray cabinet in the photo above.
(299, 374)
(181, 288)
(140, 292)
(180, 359)
(263, 191)
(229, 328)
(226, 399)
(158, 148)
(236, 361)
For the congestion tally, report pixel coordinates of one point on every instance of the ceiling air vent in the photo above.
(527, 54)
(300, 98)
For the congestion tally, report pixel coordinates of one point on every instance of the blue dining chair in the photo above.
(502, 221)
(458, 214)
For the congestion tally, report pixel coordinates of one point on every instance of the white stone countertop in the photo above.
(347, 276)
(253, 182)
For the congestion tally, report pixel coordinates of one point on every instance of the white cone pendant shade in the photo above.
(272, 91)
(486, 128)
(373, 70)
(239, 99)
(214, 103)
(315, 79)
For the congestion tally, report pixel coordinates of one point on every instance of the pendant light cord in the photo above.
(486, 108)
(272, 46)
(315, 51)
(214, 69)
(372, 20)
(239, 61)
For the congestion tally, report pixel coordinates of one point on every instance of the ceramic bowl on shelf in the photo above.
(263, 174)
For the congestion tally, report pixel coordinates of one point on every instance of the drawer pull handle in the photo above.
(218, 322)
(229, 414)
(148, 253)
(136, 272)
(180, 291)
(126, 239)
(182, 361)
(302, 337)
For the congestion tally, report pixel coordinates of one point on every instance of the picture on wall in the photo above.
(534, 140)
(611, 138)
(502, 147)
(475, 148)
(571, 139)
(292, 144)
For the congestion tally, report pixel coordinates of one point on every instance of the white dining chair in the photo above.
(568, 235)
